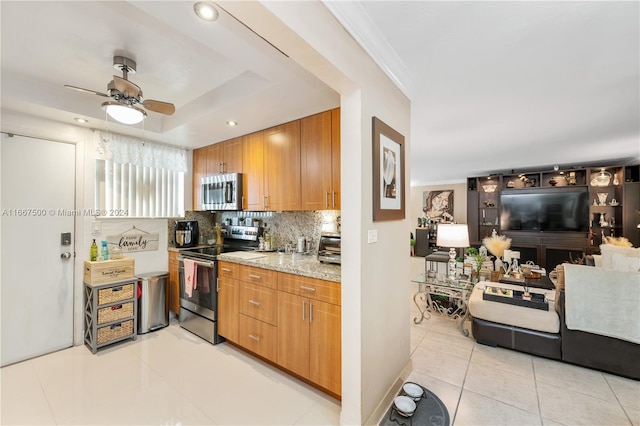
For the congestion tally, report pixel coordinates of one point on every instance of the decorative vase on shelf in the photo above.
(603, 221)
(615, 180)
(602, 198)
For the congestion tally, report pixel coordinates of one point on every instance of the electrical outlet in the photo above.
(372, 236)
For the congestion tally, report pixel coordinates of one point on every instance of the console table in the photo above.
(458, 290)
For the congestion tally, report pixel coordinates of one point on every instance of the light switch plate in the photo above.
(372, 236)
(96, 228)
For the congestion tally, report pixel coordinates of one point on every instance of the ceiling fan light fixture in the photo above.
(126, 114)
(206, 11)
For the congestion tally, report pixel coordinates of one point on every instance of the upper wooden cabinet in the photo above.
(320, 161)
(293, 166)
(253, 169)
(335, 157)
(282, 167)
(225, 157)
(199, 171)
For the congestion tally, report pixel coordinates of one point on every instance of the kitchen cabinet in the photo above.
(174, 283)
(253, 172)
(257, 304)
(320, 161)
(110, 314)
(309, 329)
(228, 296)
(225, 157)
(282, 167)
(199, 171)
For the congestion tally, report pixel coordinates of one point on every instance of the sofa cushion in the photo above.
(519, 316)
(626, 259)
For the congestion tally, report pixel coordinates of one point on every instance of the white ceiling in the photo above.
(508, 84)
(494, 85)
(212, 71)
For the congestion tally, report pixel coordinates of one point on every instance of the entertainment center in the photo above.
(556, 215)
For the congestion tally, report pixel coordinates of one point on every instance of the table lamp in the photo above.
(452, 236)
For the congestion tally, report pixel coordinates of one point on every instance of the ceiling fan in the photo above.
(127, 96)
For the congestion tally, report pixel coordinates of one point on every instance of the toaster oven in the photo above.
(329, 247)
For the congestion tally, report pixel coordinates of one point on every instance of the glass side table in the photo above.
(444, 297)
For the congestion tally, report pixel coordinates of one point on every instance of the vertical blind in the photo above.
(138, 179)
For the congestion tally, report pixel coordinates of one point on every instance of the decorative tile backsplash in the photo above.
(285, 226)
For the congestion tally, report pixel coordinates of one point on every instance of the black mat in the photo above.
(431, 411)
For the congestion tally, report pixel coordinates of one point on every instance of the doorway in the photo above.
(37, 180)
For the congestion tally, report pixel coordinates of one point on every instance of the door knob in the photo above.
(65, 255)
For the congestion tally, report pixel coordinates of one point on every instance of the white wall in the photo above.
(375, 277)
(151, 261)
(459, 201)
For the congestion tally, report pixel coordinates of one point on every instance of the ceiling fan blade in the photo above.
(80, 89)
(125, 86)
(159, 106)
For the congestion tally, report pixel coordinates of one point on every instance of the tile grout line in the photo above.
(455, 414)
(617, 399)
(42, 389)
(535, 383)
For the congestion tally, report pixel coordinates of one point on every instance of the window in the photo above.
(135, 178)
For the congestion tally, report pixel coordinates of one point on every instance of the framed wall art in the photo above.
(388, 173)
(438, 205)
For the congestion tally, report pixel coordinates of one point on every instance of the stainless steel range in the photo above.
(199, 281)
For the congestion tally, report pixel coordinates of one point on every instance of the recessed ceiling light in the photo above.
(205, 10)
(81, 120)
(232, 123)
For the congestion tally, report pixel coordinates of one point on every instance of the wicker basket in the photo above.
(115, 312)
(115, 294)
(115, 331)
(495, 276)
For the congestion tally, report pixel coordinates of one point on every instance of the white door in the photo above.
(37, 180)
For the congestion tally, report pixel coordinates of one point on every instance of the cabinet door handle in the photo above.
(307, 288)
(304, 311)
(310, 312)
(265, 201)
(333, 198)
(253, 302)
(326, 199)
(255, 276)
(220, 168)
(256, 338)
(226, 269)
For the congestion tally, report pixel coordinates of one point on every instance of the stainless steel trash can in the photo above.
(152, 312)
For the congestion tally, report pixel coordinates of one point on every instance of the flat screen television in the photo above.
(545, 210)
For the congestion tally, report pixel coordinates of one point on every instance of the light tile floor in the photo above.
(172, 377)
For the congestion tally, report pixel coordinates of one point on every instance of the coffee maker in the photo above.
(186, 233)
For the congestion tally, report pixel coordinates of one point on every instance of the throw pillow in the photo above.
(620, 258)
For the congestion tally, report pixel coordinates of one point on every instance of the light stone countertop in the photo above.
(299, 264)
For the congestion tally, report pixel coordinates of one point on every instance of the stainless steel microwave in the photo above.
(222, 192)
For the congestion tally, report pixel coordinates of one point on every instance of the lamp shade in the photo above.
(126, 114)
(453, 235)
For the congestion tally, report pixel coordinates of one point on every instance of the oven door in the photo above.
(201, 298)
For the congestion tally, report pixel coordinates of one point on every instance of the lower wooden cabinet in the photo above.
(290, 320)
(228, 296)
(174, 283)
(309, 342)
(258, 337)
